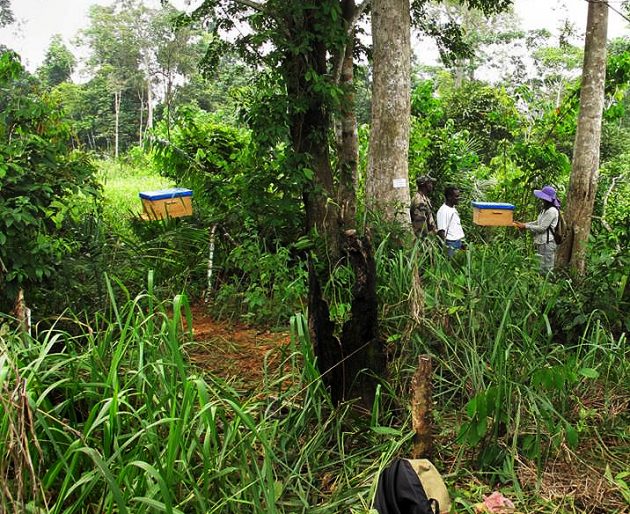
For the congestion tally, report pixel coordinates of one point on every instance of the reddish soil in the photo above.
(235, 352)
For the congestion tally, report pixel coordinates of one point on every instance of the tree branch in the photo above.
(251, 3)
(358, 12)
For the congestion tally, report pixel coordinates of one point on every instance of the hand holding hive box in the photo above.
(493, 214)
(166, 203)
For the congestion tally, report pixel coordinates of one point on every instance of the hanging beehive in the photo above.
(166, 203)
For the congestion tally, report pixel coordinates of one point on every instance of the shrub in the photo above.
(40, 178)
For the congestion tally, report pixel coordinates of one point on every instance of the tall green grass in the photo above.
(115, 420)
(510, 384)
(123, 181)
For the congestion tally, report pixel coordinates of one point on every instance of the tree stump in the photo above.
(22, 313)
(421, 406)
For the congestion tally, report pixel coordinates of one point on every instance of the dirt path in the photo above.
(233, 351)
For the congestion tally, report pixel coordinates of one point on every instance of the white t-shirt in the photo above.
(448, 221)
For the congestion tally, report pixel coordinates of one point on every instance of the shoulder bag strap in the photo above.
(550, 228)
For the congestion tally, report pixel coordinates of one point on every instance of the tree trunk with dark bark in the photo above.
(343, 353)
(585, 166)
(349, 141)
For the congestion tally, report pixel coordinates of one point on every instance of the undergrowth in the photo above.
(110, 416)
(114, 419)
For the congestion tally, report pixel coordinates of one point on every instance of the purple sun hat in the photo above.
(548, 194)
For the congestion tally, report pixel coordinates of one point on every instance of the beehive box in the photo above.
(166, 203)
(493, 214)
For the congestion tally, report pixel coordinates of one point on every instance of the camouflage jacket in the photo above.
(422, 219)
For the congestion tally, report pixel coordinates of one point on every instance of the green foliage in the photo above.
(476, 139)
(436, 145)
(89, 108)
(202, 154)
(40, 178)
(175, 249)
(425, 106)
(262, 285)
(235, 182)
(243, 190)
(59, 63)
(523, 167)
(223, 91)
(603, 296)
(117, 419)
(618, 69)
(449, 155)
(111, 238)
(612, 206)
(488, 113)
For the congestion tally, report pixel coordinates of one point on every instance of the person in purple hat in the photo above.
(543, 227)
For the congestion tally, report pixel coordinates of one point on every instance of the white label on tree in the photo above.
(400, 183)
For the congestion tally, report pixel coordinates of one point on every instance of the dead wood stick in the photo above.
(421, 405)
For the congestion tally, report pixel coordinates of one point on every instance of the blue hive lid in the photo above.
(162, 194)
(492, 205)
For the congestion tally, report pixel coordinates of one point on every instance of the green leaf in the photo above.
(482, 427)
(471, 407)
(589, 373)
(571, 435)
(386, 431)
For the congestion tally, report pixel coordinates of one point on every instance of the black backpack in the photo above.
(400, 491)
(559, 232)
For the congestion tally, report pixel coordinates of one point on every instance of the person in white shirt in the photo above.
(449, 225)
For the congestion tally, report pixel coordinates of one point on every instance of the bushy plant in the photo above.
(233, 181)
(603, 294)
(612, 206)
(40, 178)
(260, 284)
(488, 113)
(522, 167)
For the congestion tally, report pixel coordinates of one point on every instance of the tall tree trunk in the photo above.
(585, 166)
(349, 140)
(387, 184)
(147, 70)
(458, 81)
(141, 125)
(117, 98)
(149, 105)
(341, 360)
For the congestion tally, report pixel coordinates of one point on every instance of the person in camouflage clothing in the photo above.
(422, 219)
